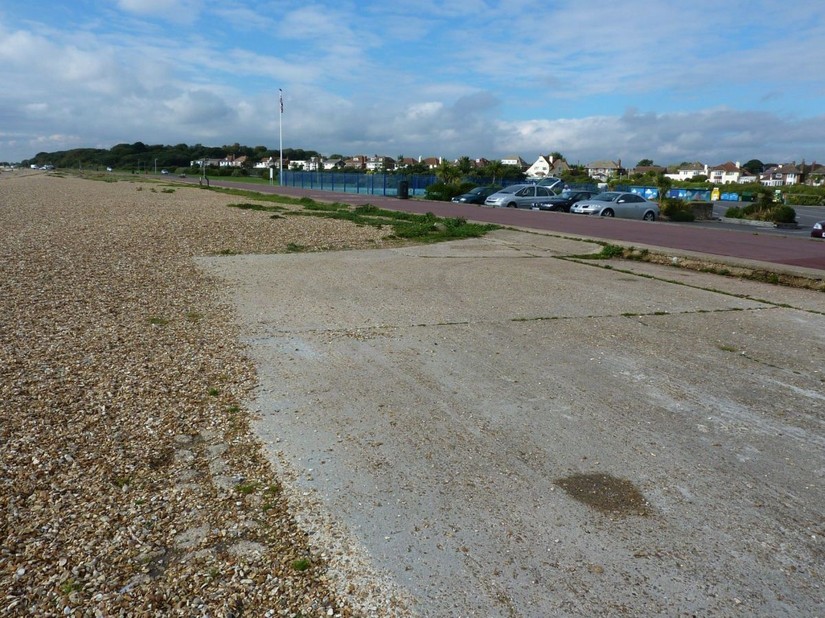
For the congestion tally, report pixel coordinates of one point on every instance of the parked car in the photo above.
(551, 182)
(564, 200)
(519, 196)
(818, 230)
(618, 204)
(475, 196)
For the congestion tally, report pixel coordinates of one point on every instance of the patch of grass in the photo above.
(259, 207)
(727, 348)
(608, 252)
(227, 252)
(121, 481)
(233, 409)
(213, 392)
(157, 321)
(295, 248)
(611, 251)
(407, 226)
(194, 316)
(302, 564)
(167, 190)
(70, 585)
(246, 488)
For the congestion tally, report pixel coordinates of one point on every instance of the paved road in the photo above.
(750, 243)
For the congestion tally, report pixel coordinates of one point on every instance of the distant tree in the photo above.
(663, 183)
(448, 173)
(494, 170)
(754, 166)
(577, 174)
(513, 173)
(556, 156)
(645, 163)
(465, 165)
(419, 167)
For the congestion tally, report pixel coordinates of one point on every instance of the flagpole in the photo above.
(280, 138)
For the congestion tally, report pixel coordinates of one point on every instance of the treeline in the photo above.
(140, 156)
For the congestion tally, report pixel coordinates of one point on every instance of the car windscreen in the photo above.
(607, 196)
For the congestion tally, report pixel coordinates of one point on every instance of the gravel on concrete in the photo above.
(130, 481)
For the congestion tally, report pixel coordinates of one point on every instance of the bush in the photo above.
(734, 212)
(783, 214)
(445, 192)
(805, 199)
(676, 209)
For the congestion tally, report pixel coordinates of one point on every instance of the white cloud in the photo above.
(474, 77)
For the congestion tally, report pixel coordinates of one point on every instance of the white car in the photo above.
(618, 204)
(519, 196)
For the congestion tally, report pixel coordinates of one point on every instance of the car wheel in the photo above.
(649, 216)
(511, 205)
(607, 213)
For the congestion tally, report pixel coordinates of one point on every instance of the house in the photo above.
(431, 162)
(604, 170)
(231, 160)
(727, 173)
(405, 162)
(546, 166)
(782, 174)
(815, 175)
(688, 171)
(747, 177)
(266, 162)
(333, 164)
(358, 162)
(205, 163)
(515, 160)
(378, 163)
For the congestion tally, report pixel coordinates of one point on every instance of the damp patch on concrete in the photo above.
(606, 494)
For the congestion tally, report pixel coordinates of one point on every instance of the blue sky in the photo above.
(670, 81)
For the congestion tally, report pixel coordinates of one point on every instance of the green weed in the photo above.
(302, 564)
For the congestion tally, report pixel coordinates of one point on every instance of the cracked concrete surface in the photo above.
(430, 399)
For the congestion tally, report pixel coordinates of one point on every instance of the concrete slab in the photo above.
(440, 403)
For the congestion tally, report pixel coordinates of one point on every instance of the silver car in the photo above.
(519, 196)
(618, 204)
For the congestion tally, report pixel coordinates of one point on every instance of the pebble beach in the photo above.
(131, 481)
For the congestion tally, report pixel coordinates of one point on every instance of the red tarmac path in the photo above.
(798, 252)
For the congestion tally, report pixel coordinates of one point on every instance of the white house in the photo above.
(727, 173)
(266, 162)
(688, 171)
(603, 170)
(783, 174)
(515, 160)
(334, 164)
(378, 163)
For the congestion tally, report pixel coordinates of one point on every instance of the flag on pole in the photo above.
(281, 99)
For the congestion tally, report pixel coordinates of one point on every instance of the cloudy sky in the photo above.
(705, 80)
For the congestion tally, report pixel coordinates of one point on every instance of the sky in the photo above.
(666, 80)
